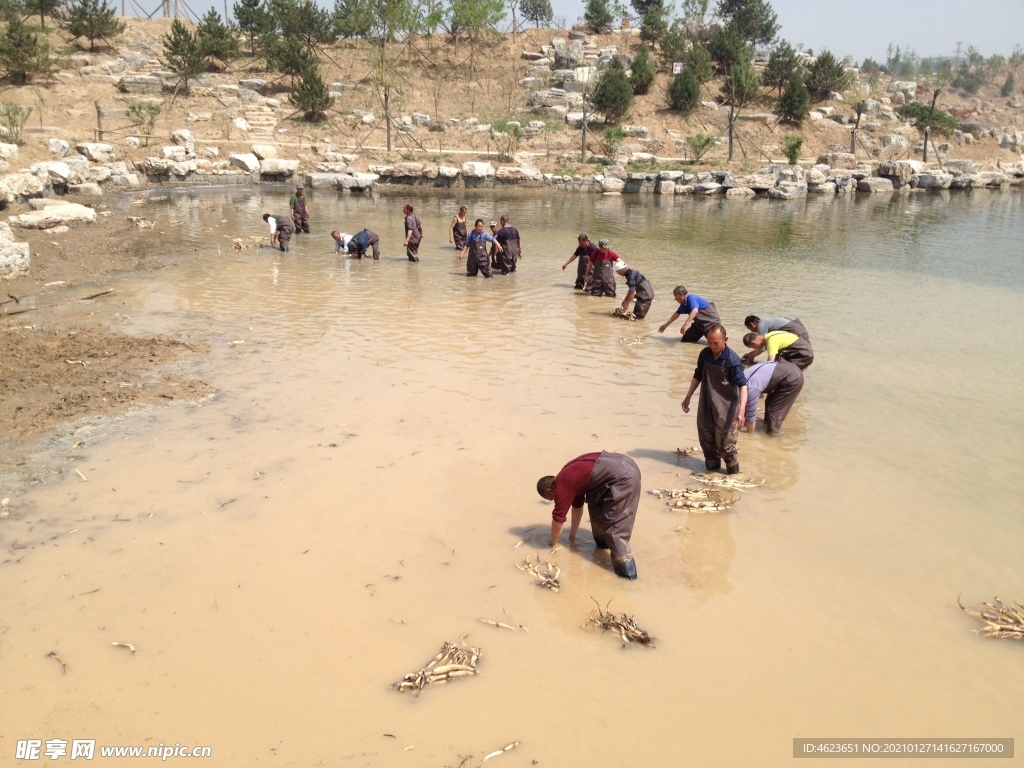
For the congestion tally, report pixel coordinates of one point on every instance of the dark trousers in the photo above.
(478, 262)
(412, 250)
(301, 222)
(284, 236)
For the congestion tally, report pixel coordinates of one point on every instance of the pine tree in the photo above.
(42, 8)
(613, 95)
(754, 19)
(727, 46)
(795, 101)
(303, 19)
(642, 72)
(290, 57)
(352, 18)
(537, 11)
(310, 95)
(684, 92)
(253, 21)
(183, 53)
(24, 55)
(598, 16)
(826, 75)
(93, 20)
(742, 85)
(216, 39)
(782, 65)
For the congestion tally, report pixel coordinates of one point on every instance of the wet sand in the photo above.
(353, 496)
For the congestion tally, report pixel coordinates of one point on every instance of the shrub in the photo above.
(613, 95)
(684, 92)
(1008, 86)
(642, 75)
(742, 84)
(782, 65)
(699, 145)
(826, 75)
(183, 53)
(506, 136)
(611, 139)
(940, 122)
(143, 116)
(795, 101)
(969, 79)
(537, 11)
(93, 20)
(791, 146)
(216, 39)
(13, 117)
(310, 95)
(598, 16)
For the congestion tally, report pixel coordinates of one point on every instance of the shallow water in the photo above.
(354, 496)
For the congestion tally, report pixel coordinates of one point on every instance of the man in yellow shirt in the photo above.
(782, 345)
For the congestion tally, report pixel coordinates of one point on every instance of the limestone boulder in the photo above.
(132, 142)
(845, 160)
(472, 170)
(96, 152)
(759, 182)
(355, 181)
(707, 188)
(14, 256)
(974, 128)
(874, 185)
(612, 184)
(87, 189)
(960, 166)
(665, 187)
(97, 174)
(127, 180)
(59, 147)
(183, 137)
(9, 152)
(448, 172)
(247, 161)
(265, 151)
(934, 180)
(278, 167)
(155, 166)
(58, 172)
(407, 169)
(788, 190)
(53, 216)
(740, 192)
(175, 153)
(22, 185)
(828, 188)
(516, 173)
(900, 170)
(907, 87)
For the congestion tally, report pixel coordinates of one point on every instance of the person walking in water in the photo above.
(723, 401)
(584, 250)
(457, 229)
(610, 484)
(476, 243)
(413, 234)
(281, 230)
(639, 289)
(700, 315)
(599, 270)
(512, 247)
(300, 211)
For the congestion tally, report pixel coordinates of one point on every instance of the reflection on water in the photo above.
(356, 493)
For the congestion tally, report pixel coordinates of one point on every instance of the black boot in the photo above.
(712, 465)
(732, 469)
(625, 568)
(600, 543)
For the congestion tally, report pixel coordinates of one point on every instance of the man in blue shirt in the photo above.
(781, 381)
(723, 401)
(638, 287)
(700, 315)
(476, 243)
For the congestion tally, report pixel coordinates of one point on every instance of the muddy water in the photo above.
(354, 496)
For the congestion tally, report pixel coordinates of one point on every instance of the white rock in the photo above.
(184, 138)
(473, 170)
(611, 184)
(88, 189)
(199, 117)
(875, 185)
(448, 172)
(99, 174)
(125, 180)
(23, 184)
(368, 119)
(247, 161)
(59, 147)
(355, 181)
(59, 173)
(155, 166)
(53, 215)
(133, 142)
(265, 151)
(175, 153)
(96, 151)
(276, 167)
(934, 181)
(241, 123)
(740, 192)
(14, 256)
(518, 173)
(8, 152)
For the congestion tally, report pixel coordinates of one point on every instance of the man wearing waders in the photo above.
(781, 382)
(476, 243)
(582, 254)
(723, 401)
(281, 230)
(766, 325)
(364, 241)
(457, 230)
(639, 288)
(599, 270)
(784, 345)
(610, 484)
(512, 248)
(700, 315)
(413, 234)
(300, 212)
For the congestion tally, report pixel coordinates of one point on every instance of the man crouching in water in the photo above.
(610, 484)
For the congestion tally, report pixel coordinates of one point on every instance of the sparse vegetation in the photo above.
(939, 122)
(611, 139)
(699, 145)
(791, 146)
(13, 118)
(143, 116)
(506, 136)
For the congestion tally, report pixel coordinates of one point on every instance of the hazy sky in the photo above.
(859, 28)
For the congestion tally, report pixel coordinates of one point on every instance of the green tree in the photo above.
(598, 15)
(791, 146)
(936, 120)
(783, 63)
(310, 95)
(290, 57)
(795, 100)
(642, 72)
(695, 9)
(826, 75)
(613, 95)
(24, 55)
(1008, 86)
(727, 46)
(537, 11)
(217, 40)
(742, 84)
(92, 19)
(352, 18)
(699, 145)
(183, 53)
(303, 19)
(684, 92)
(43, 8)
(254, 21)
(476, 18)
(754, 19)
(653, 19)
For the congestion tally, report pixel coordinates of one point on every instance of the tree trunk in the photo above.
(927, 132)
(387, 112)
(928, 127)
(732, 123)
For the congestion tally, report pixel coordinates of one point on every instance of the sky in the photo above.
(858, 28)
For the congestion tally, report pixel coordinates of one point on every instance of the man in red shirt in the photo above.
(599, 271)
(610, 484)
